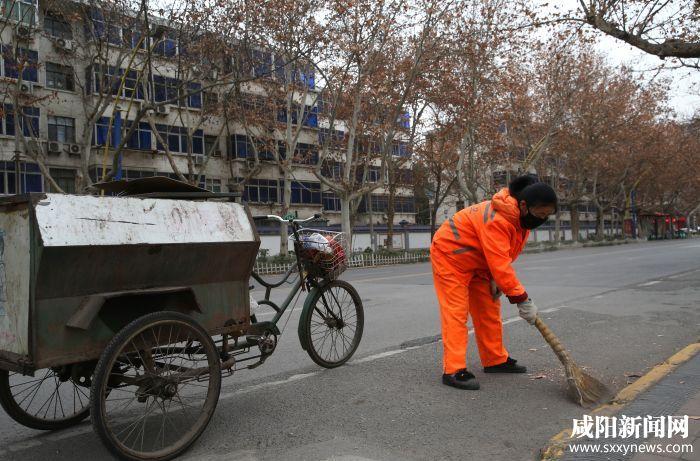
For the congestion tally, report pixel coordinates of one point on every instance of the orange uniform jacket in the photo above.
(484, 239)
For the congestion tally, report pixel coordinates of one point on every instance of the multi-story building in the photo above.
(75, 100)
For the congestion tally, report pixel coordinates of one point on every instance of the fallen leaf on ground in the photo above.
(633, 375)
(533, 349)
(538, 376)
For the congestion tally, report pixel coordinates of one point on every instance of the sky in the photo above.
(684, 84)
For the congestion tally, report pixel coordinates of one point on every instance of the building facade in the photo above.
(71, 91)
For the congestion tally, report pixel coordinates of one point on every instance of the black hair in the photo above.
(534, 192)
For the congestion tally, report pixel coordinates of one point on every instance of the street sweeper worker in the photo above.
(472, 257)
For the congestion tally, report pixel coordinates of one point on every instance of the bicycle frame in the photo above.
(279, 310)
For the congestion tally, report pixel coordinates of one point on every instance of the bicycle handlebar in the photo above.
(273, 217)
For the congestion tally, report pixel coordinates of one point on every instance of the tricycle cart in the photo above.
(132, 309)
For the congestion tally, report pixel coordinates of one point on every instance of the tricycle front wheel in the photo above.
(49, 400)
(156, 387)
(332, 323)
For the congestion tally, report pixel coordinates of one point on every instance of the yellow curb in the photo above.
(557, 444)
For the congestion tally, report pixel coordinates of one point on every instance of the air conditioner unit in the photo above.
(73, 149)
(64, 44)
(162, 110)
(54, 147)
(217, 153)
(26, 88)
(23, 32)
(250, 163)
(198, 159)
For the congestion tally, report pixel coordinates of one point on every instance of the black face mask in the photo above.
(530, 221)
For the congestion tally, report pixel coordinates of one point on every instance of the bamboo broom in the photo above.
(582, 388)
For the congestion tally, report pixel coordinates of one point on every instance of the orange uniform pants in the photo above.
(458, 300)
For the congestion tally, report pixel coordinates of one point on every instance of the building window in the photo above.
(404, 205)
(380, 204)
(30, 178)
(304, 192)
(166, 45)
(140, 138)
(400, 150)
(213, 185)
(23, 11)
(306, 154)
(211, 99)
(56, 26)
(61, 129)
(211, 146)
(242, 147)
(59, 77)
(29, 59)
(107, 79)
(332, 170)
(28, 120)
(194, 95)
(331, 202)
(65, 178)
(262, 63)
(261, 191)
(179, 141)
(7, 120)
(105, 28)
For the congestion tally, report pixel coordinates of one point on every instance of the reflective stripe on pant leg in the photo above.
(452, 295)
(488, 326)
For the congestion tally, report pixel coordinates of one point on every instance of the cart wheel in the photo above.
(332, 327)
(156, 387)
(47, 401)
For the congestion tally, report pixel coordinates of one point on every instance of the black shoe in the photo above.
(508, 366)
(461, 380)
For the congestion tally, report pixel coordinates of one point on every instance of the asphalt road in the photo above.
(619, 310)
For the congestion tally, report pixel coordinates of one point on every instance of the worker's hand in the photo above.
(495, 291)
(528, 311)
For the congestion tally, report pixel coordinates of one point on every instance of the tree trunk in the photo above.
(286, 205)
(557, 227)
(573, 211)
(433, 218)
(345, 225)
(390, 213)
(599, 224)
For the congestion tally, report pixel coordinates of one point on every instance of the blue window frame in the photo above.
(7, 121)
(304, 192)
(30, 178)
(140, 138)
(242, 147)
(306, 154)
(102, 27)
(331, 202)
(261, 191)
(167, 45)
(194, 99)
(262, 63)
(165, 89)
(30, 70)
(178, 140)
(400, 150)
(28, 119)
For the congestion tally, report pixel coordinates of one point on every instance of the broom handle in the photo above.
(553, 341)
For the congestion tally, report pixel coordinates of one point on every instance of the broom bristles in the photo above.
(585, 389)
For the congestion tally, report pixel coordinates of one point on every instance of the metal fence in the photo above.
(358, 260)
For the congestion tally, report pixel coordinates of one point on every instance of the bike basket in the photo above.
(322, 252)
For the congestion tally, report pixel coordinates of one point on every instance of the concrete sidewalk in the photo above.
(674, 397)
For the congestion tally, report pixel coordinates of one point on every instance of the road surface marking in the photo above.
(255, 387)
(648, 284)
